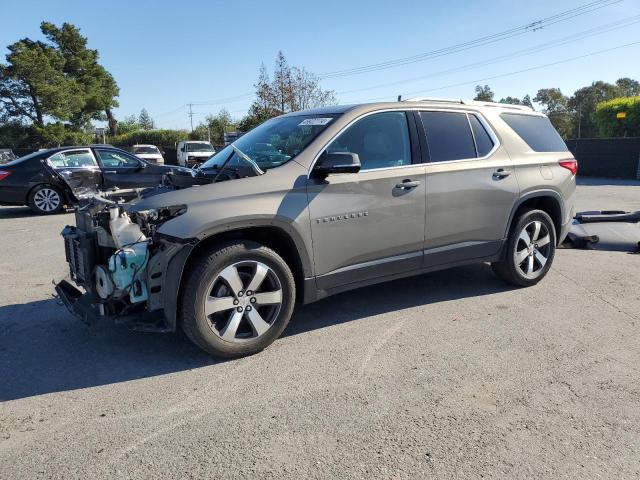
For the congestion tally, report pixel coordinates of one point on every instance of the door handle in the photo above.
(110, 171)
(408, 184)
(501, 173)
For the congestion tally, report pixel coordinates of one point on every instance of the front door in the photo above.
(122, 170)
(471, 188)
(370, 224)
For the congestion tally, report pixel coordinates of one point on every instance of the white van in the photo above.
(192, 152)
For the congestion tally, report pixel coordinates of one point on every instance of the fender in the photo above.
(177, 263)
(535, 194)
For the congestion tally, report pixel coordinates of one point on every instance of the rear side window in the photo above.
(72, 159)
(484, 144)
(448, 136)
(536, 131)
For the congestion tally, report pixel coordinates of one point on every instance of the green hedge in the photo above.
(609, 125)
(153, 137)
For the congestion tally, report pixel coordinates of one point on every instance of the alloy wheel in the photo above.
(533, 248)
(46, 199)
(243, 301)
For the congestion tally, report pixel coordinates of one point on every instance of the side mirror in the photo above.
(336, 162)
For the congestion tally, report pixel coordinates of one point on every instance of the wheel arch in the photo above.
(289, 246)
(549, 201)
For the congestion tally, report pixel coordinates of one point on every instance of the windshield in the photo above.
(275, 142)
(145, 150)
(199, 147)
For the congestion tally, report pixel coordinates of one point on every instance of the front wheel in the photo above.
(530, 249)
(45, 200)
(238, 298)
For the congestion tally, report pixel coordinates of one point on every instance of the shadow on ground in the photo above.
(44, 349)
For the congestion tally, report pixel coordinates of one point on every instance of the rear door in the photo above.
(78, 168)
(471, 187)
(123, 170)
(370, 224)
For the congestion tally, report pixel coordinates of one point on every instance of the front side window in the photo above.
(72, 159)
(381, 140)
(448, 136)
(274, 142)
(114, 159)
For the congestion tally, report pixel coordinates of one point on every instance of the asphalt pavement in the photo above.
(446, 375)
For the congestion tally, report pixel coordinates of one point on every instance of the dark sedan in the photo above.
(48, 180)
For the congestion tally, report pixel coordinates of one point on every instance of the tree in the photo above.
(526, 100)
(33, 85)
(214, 126)
(291, 89)
(99, 89)
(59, 80)
(484, 94)
(511, 101)
(145, 121)
(555, 106)
(583, 105)
(128, 125)
(627, 87)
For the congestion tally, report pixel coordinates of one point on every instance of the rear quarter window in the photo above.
(536, 131)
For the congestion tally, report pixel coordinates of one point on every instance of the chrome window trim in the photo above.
(80, 149)
(487, 126)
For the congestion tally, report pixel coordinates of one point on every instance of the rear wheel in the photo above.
(45, 200)
(530, 248)
(238, 298)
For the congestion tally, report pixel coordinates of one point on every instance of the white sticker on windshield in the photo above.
(315, 121)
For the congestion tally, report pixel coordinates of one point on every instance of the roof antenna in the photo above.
(399, 98)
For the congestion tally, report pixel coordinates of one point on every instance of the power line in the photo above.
(537, 48)
(493, 77)
(521, 30)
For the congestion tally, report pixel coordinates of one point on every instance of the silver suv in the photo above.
(322, 201)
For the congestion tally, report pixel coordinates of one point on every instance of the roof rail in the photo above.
(498, 104)
(470, 102)
(434, 100)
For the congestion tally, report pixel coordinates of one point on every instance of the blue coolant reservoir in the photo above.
(127, 268)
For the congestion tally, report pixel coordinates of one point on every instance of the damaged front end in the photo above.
(116, 256)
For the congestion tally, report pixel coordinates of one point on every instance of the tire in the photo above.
(46, 200)
(529, 250)
(224, 317)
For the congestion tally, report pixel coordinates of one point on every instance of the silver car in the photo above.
(322, 201)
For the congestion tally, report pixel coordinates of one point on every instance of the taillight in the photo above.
(570, 164)
(4, 174)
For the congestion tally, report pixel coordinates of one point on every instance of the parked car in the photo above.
(190, 153)
(50, 179)
(338, 198)
(150, 153)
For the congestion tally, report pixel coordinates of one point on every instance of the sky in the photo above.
(166, 54)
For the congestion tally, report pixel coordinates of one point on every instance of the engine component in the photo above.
(104, 284)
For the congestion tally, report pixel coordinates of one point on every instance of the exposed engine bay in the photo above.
(115, 253)
(116, 256)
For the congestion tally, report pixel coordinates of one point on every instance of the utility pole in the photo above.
(191, 115)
